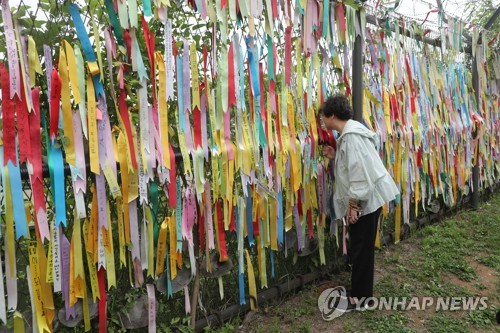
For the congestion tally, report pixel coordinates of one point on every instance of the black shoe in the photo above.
(359, 306)
(350, 307)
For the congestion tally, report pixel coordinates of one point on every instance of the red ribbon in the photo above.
(419, 158)
(23, 129)
(9, 132)
(150, 46)
(222, 234)
(299, 203)
(232, 223)
(197, 127)
(55, 98)
(348, 87)
(256, 224)
(36, 154)
(427, 16)
(230, 75)
(492, 41)
(102, 302)
(122, 105)
(394, 107)
(274, 6)
(341, 17)
(128, 42)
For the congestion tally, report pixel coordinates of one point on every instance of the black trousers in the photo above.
(362, 253)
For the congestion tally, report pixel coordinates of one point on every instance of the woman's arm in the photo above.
(360, 184)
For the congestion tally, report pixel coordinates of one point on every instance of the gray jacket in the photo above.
(359, 171)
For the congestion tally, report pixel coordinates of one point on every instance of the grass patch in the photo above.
(307, 306)
(491, 260)
(396, 322)
(442, 323)
(350, 324)
(445, 246)
(482, 318)
(388, 287)
(305, 326)
(437, 287)
(273, 327)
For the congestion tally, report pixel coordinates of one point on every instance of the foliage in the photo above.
(480, 12)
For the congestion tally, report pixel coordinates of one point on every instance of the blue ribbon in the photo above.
(270, 58)
(147, 8)
(16, 192)
(464, 106)
(260, 128)
(153, 191)
(98, 88)
(178, 214)
(56, 169)
(117, 29)
(280, 218)
(180, 93)
(326, 18)
(241, 283)
(82, 33)
(141, 70)
(86, 46)
(254, 70)
(302, 10)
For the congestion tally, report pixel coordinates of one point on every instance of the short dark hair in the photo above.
(337, 105)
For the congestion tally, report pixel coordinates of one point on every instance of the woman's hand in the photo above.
(352, 215)
(353, 211)
(329, 152)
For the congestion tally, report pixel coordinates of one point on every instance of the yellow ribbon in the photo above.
(92, 127)
(33, 61)
(109, 252)
(69, 141)
(195, 86)
(73, 74)
(162, 103)
(161, 248)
